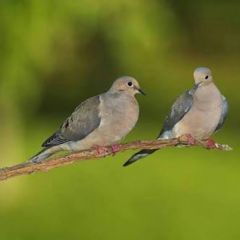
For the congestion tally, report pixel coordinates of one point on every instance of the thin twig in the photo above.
(29, 167)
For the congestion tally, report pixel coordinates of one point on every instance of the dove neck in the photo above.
(208, 94)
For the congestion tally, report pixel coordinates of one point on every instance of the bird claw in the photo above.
(189, 139)
(115, 148)
(101, 150)
(210, 143)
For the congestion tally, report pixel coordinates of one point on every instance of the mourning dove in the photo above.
(197, 113)
(99, 121)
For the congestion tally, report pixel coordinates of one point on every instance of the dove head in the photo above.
(202, 75)
(128, 85)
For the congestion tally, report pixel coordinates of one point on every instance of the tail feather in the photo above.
(42, 155)
(137, 156)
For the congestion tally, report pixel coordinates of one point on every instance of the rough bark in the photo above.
(91, 154)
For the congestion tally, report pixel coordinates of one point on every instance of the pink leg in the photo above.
(210, 143)
(101, 150)
(115, 148)
(190, 139)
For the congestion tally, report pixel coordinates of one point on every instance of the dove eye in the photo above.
(206, 77)
(130, 84)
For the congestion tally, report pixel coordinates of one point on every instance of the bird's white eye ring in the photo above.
(130, 84)
(206, 77)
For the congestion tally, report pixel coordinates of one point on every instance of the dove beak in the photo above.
(140, 90)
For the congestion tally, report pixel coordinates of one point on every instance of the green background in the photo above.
(55, 54)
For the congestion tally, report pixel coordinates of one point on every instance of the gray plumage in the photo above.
(224, 114)
(99, 121)
(180, 107)
(84, 120)
(199, 112)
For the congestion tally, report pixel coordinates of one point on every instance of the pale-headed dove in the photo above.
(99, 121)
(198, 113)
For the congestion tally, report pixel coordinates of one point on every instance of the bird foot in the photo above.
(189, 139)
(115, 148)
(101, 150)
(210, 143)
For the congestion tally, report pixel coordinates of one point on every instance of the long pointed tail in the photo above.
(137, 156)
(42, 155)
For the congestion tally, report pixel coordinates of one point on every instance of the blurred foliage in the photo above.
(55, 54)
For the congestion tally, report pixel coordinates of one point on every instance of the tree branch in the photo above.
(29, 167)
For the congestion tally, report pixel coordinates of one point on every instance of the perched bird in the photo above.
(197, 113)
(97, 122)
